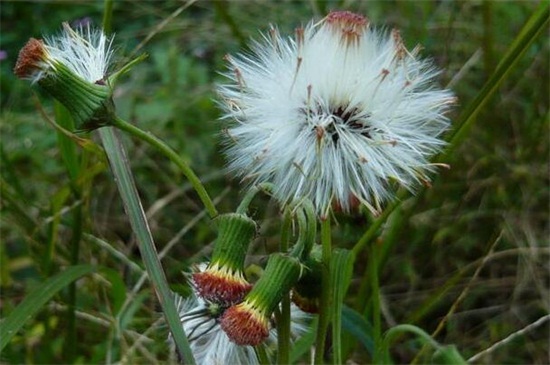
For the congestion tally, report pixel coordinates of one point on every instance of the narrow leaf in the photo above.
(341, 270)
(66, 145)
(36, 300)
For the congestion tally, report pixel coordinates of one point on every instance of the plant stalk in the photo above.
(326, 292)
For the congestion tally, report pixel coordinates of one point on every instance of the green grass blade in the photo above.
(132, 205)
(341, 272)
(36, 300)
(534, 27)
(66, 145)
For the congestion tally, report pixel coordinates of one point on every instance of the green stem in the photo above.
(375, 226)
(72, 162)
(283, 319)
(265, 187)
(326, 292)
(107, 16)
(245, 203)
(132, 205)
(174, 157)
(75, 251)
(375, 303)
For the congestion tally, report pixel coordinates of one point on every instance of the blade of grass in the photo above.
(341, 272)
(132, 205)
(34, 301)
(534, 27)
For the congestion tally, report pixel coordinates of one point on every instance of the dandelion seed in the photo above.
(343, 111)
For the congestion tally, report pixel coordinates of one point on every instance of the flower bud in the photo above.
(72, 68)
(247, 323)
(223, 280)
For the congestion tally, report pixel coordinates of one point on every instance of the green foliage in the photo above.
(430, 247)
(35, 300)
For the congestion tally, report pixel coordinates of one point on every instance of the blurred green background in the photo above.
(489, 209)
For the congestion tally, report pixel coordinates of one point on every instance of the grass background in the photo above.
(488, 212)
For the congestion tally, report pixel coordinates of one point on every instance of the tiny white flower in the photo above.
(85, 51)
(334, 115)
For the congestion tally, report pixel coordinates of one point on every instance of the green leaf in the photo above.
(303, 344)
(128, 312)
(359, 327)
(66, 145)
(341, 271)
(36, 300)
(124, 179)
(118, 289)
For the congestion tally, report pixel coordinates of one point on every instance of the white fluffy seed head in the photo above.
(336, 114)
(85, 51)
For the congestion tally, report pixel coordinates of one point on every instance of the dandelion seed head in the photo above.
(338, 114)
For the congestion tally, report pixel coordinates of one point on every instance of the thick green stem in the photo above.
(174, 157)
(132, 205)
(283, 318)
(326, 292)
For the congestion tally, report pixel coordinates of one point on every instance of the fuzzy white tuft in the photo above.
(209, 343)
(85, 51)
(334, 115)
